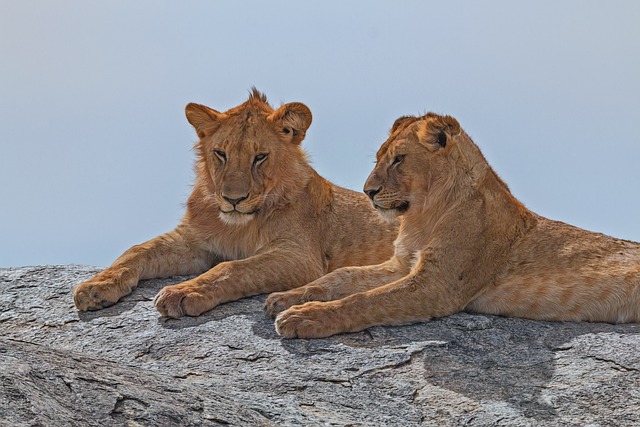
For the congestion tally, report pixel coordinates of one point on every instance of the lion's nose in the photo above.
(371, 192)
(234, 202)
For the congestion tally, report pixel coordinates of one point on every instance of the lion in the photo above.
(465, 243)
(259, 219)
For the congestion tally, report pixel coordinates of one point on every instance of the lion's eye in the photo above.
(221, 155)
(259, 158)
(398, 159)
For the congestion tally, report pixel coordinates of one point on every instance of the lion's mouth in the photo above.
(235, 211)
(400, 207)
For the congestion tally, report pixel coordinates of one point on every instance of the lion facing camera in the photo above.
(259, 219)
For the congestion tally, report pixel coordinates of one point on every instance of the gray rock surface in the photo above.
(125, 365)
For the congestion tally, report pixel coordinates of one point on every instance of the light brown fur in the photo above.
(465, 243)
(259, 219)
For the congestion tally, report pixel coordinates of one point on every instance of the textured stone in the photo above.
(125, 365)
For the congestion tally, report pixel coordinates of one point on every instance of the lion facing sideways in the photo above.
(259, 219)
(465, 243)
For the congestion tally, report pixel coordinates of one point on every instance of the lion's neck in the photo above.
(306, 189)
(472, 179)
(320, 192)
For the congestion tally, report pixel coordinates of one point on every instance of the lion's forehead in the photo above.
(400, 137)
(245, 139)
(387, 146)
(391, 145)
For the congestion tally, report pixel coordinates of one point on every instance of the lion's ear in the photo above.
(292, 121)
(205, 120)
(436, 130)
(398, 122)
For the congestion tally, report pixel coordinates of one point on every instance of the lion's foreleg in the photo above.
(166, 255)
(276, 270)
(423, 294)
(337, 284)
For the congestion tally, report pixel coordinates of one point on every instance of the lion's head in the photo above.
(416, 164)
(249, 157)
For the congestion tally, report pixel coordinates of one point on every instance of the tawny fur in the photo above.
(465, 243)
(259, 219)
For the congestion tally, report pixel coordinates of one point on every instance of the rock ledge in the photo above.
(127, 366)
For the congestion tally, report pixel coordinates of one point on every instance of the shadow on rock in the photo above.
(486, 358)
(490, 358)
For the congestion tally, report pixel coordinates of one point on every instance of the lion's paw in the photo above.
(93, 296)
(310, 320)
(181, 300)
(278, 302)
(104, 289)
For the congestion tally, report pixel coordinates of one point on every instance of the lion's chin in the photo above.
(235, 217)
(390, 214)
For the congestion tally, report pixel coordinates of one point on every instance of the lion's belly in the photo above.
(573, 295)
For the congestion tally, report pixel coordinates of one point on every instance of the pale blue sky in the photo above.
(95, 150)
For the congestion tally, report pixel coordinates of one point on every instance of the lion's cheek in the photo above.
(267, 186)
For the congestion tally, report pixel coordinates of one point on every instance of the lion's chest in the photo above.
(233, 243)
(407, 245)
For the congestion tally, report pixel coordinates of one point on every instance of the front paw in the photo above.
(184, 299)
(104, 289)
(310, 320)
(279, 301)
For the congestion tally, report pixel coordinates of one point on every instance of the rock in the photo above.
(125, 365)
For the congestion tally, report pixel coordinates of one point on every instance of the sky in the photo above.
(95, 151)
